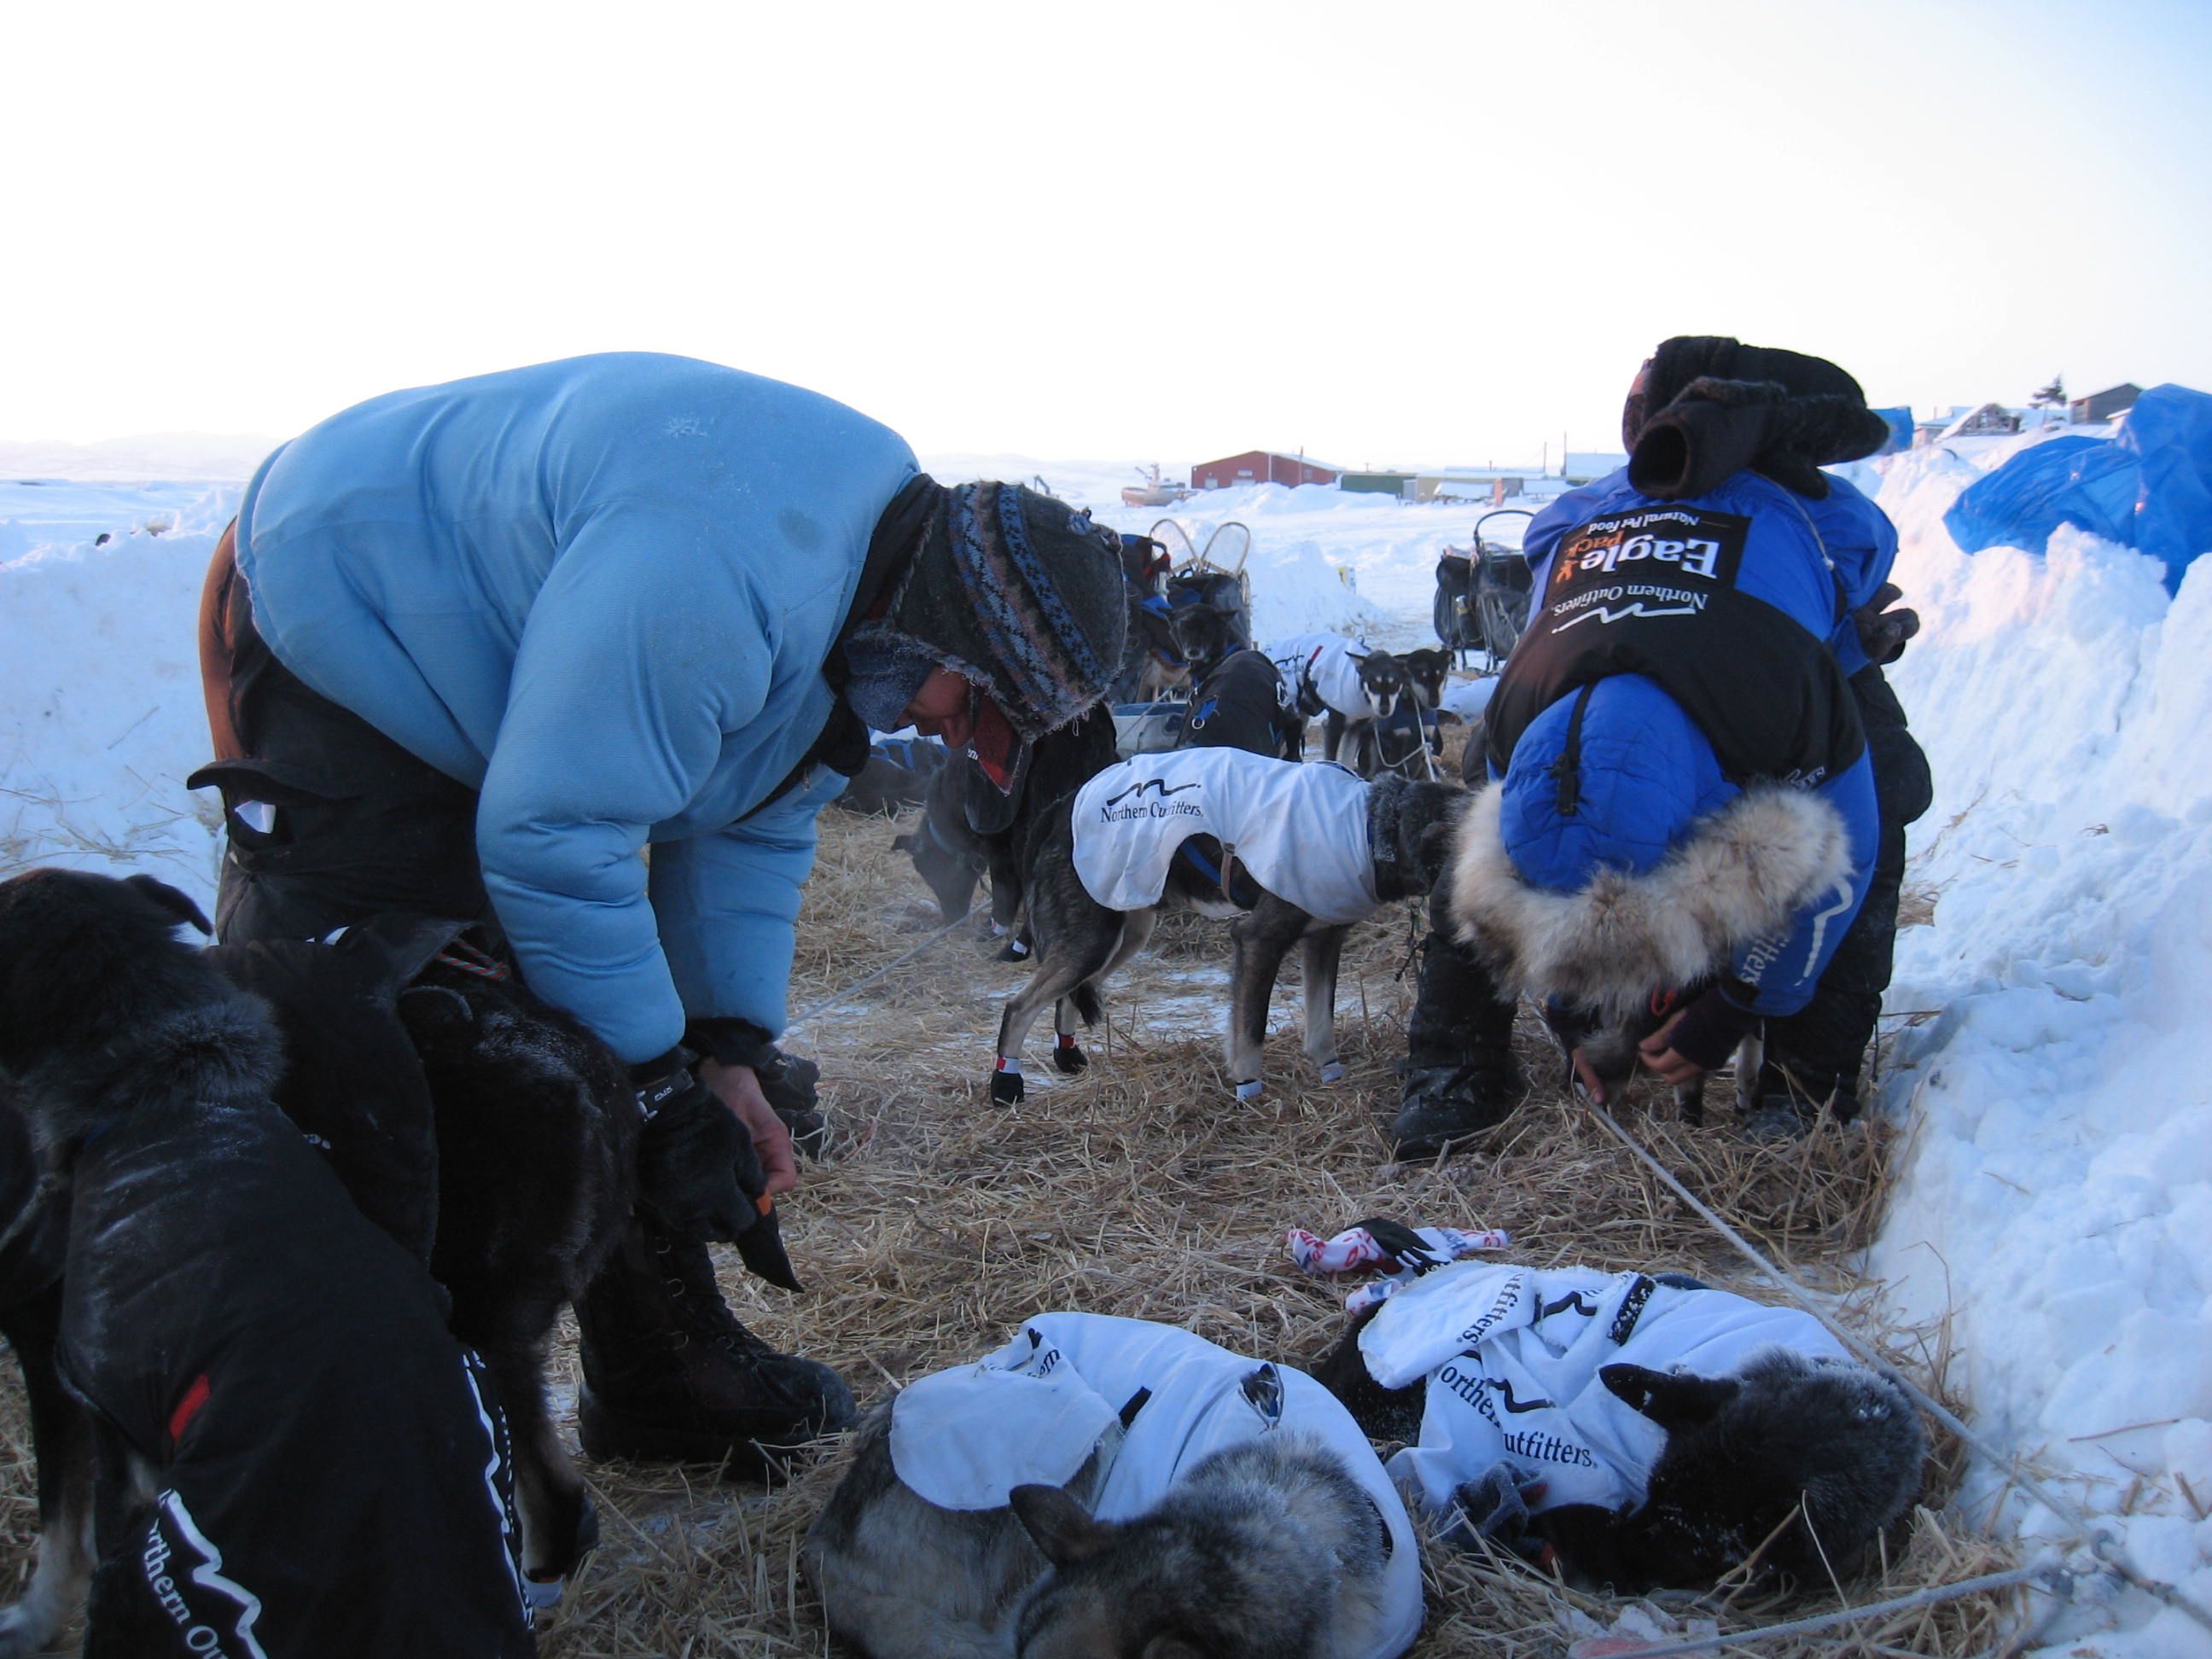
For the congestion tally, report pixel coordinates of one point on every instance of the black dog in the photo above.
(1350, 738)
(1245, 703)
(294, 1455)
(489, 1132)
(1426, 669)
(1794, 1454)
(969, 829)
(898, 773)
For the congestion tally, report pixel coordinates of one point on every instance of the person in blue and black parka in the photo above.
(1700, 779)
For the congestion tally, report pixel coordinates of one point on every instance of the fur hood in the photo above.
(1740, 872)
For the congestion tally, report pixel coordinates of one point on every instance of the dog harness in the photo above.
(1324, 668)
(1301, 829)
(1512, 1356)
(1038, 1408)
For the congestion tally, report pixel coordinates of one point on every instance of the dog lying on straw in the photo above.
(1110, 1486)
(1638, 1430)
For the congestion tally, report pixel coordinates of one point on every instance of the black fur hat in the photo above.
(1705, 407)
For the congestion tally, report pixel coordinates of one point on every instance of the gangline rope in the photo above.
(2100, 1542)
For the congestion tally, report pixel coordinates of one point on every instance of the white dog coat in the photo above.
(1512, 1355)
(1035, 1410)
(1330, 664)
(1301, 829)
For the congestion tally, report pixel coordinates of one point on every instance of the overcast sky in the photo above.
(1381, 232)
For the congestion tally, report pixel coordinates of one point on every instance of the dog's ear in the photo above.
(172, 901)
(1668, 1398)
(1059, 1527)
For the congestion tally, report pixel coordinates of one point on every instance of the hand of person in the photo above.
(1884, 626)
(1586, 1076)
(1657, 1051)
(1701, 1035)
(696, 1169)
(739, 1089)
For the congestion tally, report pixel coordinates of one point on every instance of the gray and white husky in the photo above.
(1295, 853)
(1264, 1548)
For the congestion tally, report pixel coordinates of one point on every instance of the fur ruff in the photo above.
(1609, 944)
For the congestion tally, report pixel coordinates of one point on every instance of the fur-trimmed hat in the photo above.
(1648, 875)
(1706, 406)
(1018, 593)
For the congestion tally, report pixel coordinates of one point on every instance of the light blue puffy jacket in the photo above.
(599, 592)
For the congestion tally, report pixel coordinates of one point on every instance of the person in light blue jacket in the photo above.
(1684, 801)
(471, 649)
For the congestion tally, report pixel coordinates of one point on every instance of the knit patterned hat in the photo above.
(1020, 593)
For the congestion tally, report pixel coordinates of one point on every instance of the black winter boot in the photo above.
(1461, 1078)
(669, 1376)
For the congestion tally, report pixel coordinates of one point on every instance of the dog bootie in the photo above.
(669, 1376)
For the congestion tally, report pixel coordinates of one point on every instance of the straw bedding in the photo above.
(1142, 1188)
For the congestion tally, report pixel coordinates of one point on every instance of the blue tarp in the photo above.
(1899, 422)
(2149, 488)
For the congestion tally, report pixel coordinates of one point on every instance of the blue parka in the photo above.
(599, 592)
(1815, 561)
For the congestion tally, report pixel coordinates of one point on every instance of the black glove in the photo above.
(1494, 1505)
(1884, 625)
(696, 1169)
(1709, 1029)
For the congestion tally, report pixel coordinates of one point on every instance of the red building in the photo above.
(1261, 466)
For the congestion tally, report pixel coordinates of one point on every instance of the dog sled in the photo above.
(1482, 594)
(1146, 728)
(1214, 576)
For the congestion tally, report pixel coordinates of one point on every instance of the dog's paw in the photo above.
(1006, 1086)
(1248, 1090)
(1331, 1070)
(1068, 1058)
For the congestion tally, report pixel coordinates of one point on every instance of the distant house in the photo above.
(1979, 421)
(2101, 406)
(1375, 484)
(1261, 466)
(1471, 483)
(1982, 421)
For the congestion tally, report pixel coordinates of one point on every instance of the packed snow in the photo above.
(2052, 1054)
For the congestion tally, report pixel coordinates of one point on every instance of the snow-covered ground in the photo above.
(2056, 1201)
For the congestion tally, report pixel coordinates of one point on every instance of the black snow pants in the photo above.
(328, 821)
(1822, 1045)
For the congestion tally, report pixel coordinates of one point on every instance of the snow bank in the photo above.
(2057, 1200)
(100, 711)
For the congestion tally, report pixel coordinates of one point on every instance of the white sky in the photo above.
(1381, 232)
